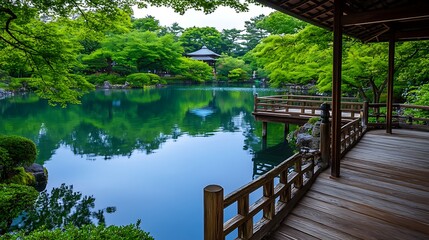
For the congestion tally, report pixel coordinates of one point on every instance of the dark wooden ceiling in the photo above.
(367, 20)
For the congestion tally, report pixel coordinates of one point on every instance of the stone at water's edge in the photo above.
(41, 175)
(308, 136)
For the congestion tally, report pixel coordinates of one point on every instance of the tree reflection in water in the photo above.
(61, 207)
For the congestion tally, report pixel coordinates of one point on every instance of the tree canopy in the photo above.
(43, 35)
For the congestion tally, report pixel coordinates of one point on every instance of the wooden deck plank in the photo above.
(383, 193)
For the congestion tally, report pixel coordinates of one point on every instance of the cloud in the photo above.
(222, 18)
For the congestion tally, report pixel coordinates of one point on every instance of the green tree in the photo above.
(231, 42)
(148, 23)
(238, 74)
(226, 64)
(175, 29)
(280, 23)
(31, 27)
(254, 34)
(294, 58)
(194, 38)
(135, 52)
(196, 71)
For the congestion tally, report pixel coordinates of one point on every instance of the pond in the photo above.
(150, 153)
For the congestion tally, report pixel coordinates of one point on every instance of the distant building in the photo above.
(206, 55)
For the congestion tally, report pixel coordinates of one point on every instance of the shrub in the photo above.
(238, 74)
(14, 199)
(138, 80)
(22, 152)
(90, 231)
(99, 79)
(155, 79)
(313, 120)
(20, 176)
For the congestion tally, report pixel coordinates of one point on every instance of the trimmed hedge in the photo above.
(22, 152)
(138, 80)
(90, 232)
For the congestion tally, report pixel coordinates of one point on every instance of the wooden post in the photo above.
(255, 102)
(264, 130)
(365, 114)
(390, 83)
(270, 209)
(336, 89)
(325, 135)
(213, 212)
(245, 231)
(286, 130)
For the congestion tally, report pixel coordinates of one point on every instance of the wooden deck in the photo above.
(383, 193)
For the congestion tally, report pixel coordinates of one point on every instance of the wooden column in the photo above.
(325, 135)
(390, 83)
(286, 131)
(264, 130)
(336, 89)
(213, 212)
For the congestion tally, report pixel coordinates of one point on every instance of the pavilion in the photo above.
(206, 55)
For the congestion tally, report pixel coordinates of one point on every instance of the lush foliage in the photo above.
(90, 232)
(194, 70)
(16, 151)
(306, 57)
(226, 64)
(13, 200)
(43, 39)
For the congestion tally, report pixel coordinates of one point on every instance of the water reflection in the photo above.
(63, 206)
(267, 158)
(147, 151)
(117, 123)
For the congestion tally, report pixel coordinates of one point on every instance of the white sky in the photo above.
(222, 18)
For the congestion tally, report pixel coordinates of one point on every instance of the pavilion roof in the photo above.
(367, 20)
(204, 51)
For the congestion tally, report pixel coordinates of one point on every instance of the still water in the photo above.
(150, 153)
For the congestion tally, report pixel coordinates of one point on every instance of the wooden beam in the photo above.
(414, 12)
(416, 34)
(336, 89)
(390, 83)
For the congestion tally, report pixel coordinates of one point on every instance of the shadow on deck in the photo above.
(383, 193)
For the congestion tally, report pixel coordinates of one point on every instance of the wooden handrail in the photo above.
(376, 118)
(288, 96)
(284, 105)
(295, 174)
(351, 133)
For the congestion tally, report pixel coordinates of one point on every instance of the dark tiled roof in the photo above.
(204, 51)
(203, 58)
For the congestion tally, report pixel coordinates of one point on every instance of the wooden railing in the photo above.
(296, 105)
(296, 174)
(404, 115)
(351, 133)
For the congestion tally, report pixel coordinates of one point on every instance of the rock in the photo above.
(316, 129)
(303, 140)
(107, 85)
(40, 174)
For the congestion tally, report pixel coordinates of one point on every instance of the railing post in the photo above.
(269, 210)
(365, 113)
(245, 231)
(213, 213)
(255, 102)
(325, 135)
